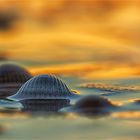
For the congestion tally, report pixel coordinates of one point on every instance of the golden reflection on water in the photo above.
(117, 102)
(71, 116)
(127, 115)
(14, 115)
(132, 100)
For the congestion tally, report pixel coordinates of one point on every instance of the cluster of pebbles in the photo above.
(46, 93)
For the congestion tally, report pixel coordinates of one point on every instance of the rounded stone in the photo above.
(12, 77)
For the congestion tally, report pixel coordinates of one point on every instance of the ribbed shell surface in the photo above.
(10, 74)
(43, 87)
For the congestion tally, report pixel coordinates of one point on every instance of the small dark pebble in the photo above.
(91, 105)
(11, 79)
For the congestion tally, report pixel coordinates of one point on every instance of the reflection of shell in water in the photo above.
(11, 79)
(91, 105)
(43, 87)
(50, 105)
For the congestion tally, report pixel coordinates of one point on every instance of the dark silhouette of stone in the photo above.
(11, 79)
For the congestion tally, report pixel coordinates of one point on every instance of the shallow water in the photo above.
(123, 124)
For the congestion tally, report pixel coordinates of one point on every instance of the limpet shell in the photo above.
(43, 87)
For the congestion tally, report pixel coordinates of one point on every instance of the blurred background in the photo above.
(90, 38)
